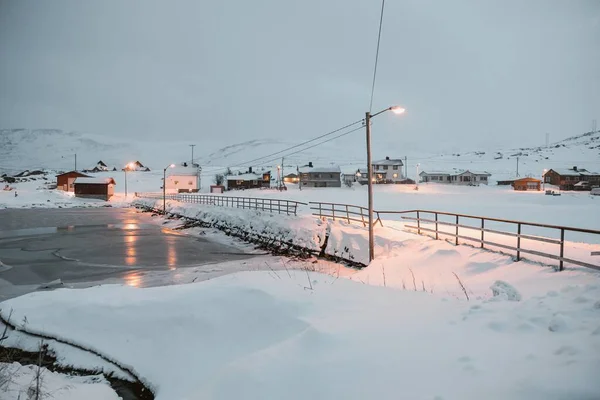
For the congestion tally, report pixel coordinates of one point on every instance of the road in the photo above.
(95, 245)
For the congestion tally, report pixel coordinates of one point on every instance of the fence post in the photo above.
(418, 223)
(347, 214)
(482, 232)
(333, 211)
(320, 212)
(362, 216)
(456, 237)
(518, 242)
(562, 249)
(436, 227)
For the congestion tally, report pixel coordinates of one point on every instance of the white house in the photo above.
(182, 179)
(456, 178)
(388, 170)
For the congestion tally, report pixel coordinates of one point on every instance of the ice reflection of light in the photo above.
(130, 250)
(171, 253)
(133, 279)
(130, 226)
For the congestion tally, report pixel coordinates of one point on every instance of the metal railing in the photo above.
(280, 206)
(487, 231)
(344, 212)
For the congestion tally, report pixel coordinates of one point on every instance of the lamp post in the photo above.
(368, 116)
(127, 167)
(165, 187)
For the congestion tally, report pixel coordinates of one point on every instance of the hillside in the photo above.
(54, 149)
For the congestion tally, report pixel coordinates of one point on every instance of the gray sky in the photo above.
(470, 73)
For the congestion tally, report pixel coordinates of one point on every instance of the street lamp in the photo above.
(127, 167)
(165, 187)
(368, 116)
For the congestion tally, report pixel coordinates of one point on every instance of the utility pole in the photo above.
(370, 187)
(282, 183)
(405, 167)
(75, 161)
(417, 177)
(594, 126)
(192, 146)
(199, 178)
(547, 139)
(517, 167)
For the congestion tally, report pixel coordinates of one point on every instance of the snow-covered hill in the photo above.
(22, 149)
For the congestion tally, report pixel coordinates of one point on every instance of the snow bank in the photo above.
(252, 335)
(54, 385)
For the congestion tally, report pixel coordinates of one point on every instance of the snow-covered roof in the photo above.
(182, 171)
(565, 171)
(244, 177)
(393, 161)
(435, 173)
(332, 169)
(474, 173)
(94, 181)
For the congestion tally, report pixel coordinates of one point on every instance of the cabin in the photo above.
(526, 184)
(325, 176)
(182, 180)
(567, 178)
(435, 176)
(291, 178)
(94, 188)
(65, 181)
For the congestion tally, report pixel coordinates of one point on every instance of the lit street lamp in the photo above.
(165, 187)
(368, 116)
(128, 166)
(544, 179)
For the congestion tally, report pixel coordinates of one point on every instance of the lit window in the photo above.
(395, 175)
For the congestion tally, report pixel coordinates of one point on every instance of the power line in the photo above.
(376, 55)
(300, 144)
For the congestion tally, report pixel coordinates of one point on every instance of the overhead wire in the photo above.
(376, 55)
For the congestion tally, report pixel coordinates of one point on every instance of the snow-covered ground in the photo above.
(53, 385)
(300, 334)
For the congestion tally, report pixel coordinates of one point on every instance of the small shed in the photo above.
(65, 181)
(95, 188)
(527, 184)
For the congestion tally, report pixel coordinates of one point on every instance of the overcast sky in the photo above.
(471, 74)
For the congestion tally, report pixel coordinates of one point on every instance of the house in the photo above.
(181, 179)
(249, 180)
(435, 176)
(65, 181)
(325, 176)
(388, 170)
(506, 182)
(471, 178)
(527, 184)
(94, 188)
(566, 178)
(291, 178)
(101, 166)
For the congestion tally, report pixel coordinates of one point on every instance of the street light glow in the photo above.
(172, 166)
(397, 110)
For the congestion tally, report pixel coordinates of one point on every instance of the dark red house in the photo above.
(94, 188)
(65, 181)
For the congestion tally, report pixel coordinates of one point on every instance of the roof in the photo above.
(182, 171)
(571, 172)
(74, 172)
(291, 176)
(393, 161)
(474, 173)
(332, 169)
(527, 179)
(94, 181)
(244, 177)
(435, 173)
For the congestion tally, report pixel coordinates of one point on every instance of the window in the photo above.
(395, 176)
(331, 176)
(385, 167)
(483, 178)
(395, 167)
(434, 178)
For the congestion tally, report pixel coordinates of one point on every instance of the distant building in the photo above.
(471, 178)
(524, 184)
(65, 181)
(291, 178)
(181, 180)
(506, 182)
(325, 176)
(567, 178)
(248, 180)
(95, 188)
(388, 170)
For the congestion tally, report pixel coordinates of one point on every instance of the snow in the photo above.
(320, 169)
(54, 385)
(254, 335)
(244, 177)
